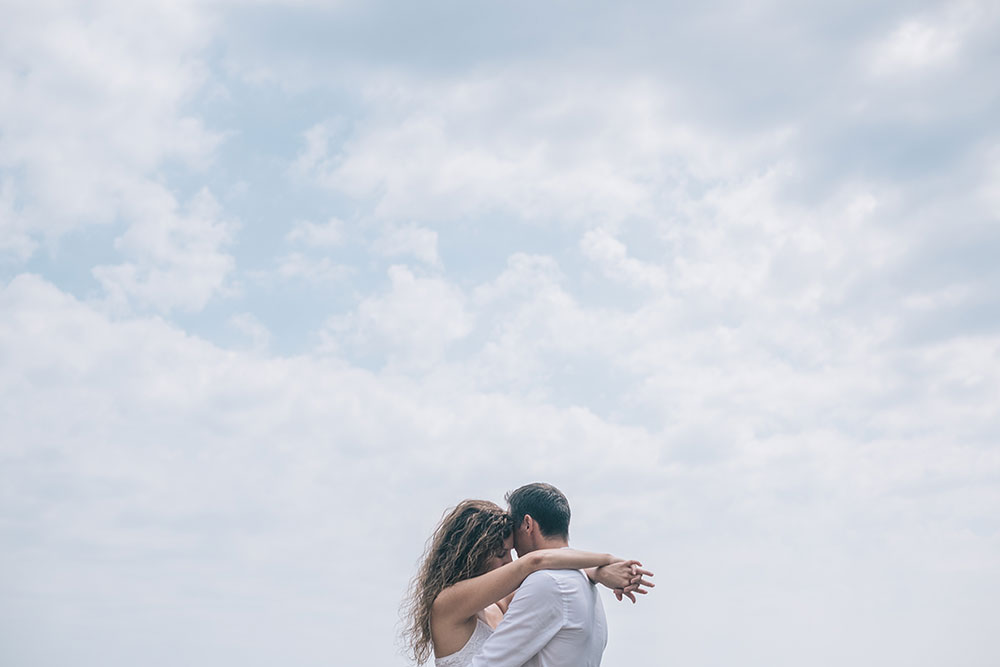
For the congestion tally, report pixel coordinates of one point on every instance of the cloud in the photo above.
(254, 330)
(177, 459)
(15, 236)
(94, 103)
(180, 461)
(532, 328)
(927, 42)
(314, 158)
(989, 189)
(409, 240)
(414, 322)
(177, 258)
(538, 147)
(740, 306)
(322, 270)
(611, 256)
(916, 45)
(326, 234)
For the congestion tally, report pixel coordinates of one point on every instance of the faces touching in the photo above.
(502, 556)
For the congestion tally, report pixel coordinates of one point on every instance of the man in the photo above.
(556, 618)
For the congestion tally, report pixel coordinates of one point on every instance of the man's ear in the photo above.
(527, 522)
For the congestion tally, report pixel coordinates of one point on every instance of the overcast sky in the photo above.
(280, 282)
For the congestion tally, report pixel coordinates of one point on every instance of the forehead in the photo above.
(508, 542)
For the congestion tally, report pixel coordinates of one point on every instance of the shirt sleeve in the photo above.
(534, 617)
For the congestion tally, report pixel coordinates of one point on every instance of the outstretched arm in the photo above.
(464, 599)
(625, 578)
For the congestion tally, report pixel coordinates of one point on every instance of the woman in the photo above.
(467, 579)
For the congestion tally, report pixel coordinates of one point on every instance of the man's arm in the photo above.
(534, 617)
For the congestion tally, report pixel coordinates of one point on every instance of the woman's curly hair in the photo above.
(459, 549)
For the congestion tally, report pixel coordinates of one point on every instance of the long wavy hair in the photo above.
(459, 549)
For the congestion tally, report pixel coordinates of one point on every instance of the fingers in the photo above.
(638, 574)
(623, 593)
(639, 578)
(639, 586)
(634, 579)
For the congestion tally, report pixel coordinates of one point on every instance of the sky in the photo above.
(282, 281)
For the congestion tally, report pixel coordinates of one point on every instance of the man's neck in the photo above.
(552, 543)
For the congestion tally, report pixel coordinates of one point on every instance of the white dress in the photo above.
(463, 656)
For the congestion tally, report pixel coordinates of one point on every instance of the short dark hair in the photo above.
(545, 503)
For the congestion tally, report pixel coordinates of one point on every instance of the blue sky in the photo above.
(282, 281)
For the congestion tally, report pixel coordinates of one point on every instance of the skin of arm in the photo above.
(619, 576)
(625, 578)
(505, 603)
(464, 599)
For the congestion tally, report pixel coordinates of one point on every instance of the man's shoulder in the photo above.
(563, 581)
(541, 579)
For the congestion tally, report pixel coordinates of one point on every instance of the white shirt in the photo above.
(556, 619)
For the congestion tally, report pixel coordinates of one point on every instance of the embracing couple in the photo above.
(471, 605)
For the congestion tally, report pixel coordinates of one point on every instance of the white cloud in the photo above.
(747, 324)
(93, 106)
(540, 147)
(183, 465)
(177, 258)
(933, 40)
(612, 257)
(915, 45)
(15, 235)
(989, 189)
(326, 234)
(409, 240)
(298, 266)
(92, 103)
(412, 324)
(532, 326)
(179, 460)
(258, 335)
(314, 158)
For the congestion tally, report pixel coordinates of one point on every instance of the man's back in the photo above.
(556, 619)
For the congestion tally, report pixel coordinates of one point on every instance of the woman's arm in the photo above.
(504, 604)
(569, 559)
(625, 578)
(464, 599)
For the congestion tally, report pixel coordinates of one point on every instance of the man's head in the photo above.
(541, 517)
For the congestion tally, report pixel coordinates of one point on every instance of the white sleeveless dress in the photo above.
(463, 657)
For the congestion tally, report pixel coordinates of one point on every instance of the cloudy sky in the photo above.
(282, 281)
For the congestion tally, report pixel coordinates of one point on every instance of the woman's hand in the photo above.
(625, 578)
